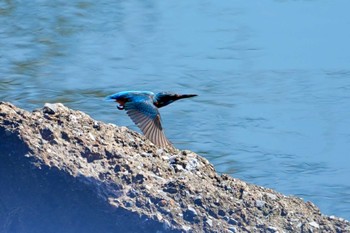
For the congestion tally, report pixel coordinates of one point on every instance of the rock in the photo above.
(232, 221)
(314, 224)
(272, 229)
(232, 229)
(259, 203)
(221, 212)
(198, 200)
(190, 214)
(209, 222)
(50, 108)
(62, 171)
(186, 228)
(270, 195)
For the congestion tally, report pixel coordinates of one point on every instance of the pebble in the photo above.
(198, 200)
(179, 167)
(192, 164)
(50, 108)
(314, 224)
(96, 125)
(190, 213)
(232, 229)
(271, 196)
(91, 136)
(73, 119)
(272, 229)
(128, 204)
(145, 154)
(259, 203)
(221, 212)
(232, 221)
(159, 151)
(209, 222)
(159, 217)
(186, 228)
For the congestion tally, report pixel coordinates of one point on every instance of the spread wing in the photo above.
(146, 116)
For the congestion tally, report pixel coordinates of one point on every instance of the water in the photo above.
(273, 79)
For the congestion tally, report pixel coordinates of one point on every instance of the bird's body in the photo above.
(142, 108)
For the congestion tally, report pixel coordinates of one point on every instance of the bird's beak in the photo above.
(183, 96)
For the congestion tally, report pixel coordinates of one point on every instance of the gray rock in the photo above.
(50, 108)
(59, 166)
(271, 196)
(259, 203)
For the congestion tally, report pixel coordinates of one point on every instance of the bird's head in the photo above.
(162, 99)
(120, 98)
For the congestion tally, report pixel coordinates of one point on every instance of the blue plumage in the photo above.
(142, 108)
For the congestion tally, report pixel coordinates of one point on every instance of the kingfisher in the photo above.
(142, 108)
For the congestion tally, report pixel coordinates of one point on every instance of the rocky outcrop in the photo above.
(62, 171)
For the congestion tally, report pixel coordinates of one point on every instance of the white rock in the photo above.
(314, 224)
(272, 229)
(91, 136)
(271, 196)
(259, 203)
(209, 222)
(186, 228)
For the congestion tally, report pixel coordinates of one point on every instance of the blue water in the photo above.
(273, 79)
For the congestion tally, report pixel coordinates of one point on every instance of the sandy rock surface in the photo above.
(62, 171)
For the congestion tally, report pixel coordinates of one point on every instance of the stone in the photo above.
(259, 203)
(314, 224)
(272, 229)
(232, 229)
(221, 212)
(209, 222)
(198, 200)
(271, 196)
(189, 214)
(50, 108)
(232, 221)
(186, 228)
(129, 204)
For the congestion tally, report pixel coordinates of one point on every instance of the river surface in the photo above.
(273, 79)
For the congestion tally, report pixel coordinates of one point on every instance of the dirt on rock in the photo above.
(62, 171)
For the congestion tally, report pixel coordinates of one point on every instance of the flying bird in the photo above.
(142, 108)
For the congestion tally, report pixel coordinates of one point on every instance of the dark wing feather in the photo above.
(146, 116)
